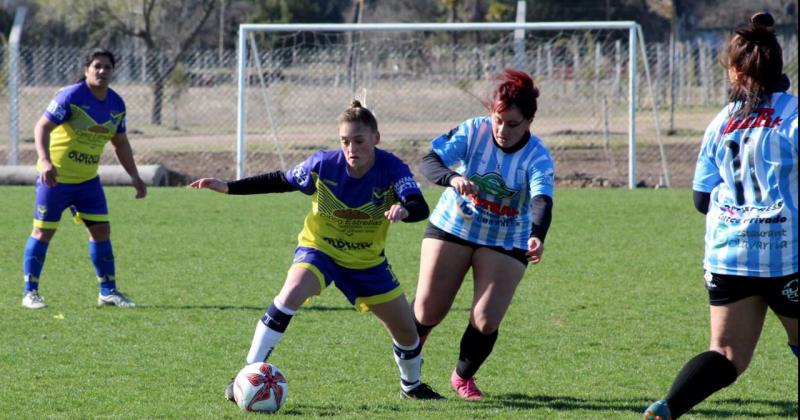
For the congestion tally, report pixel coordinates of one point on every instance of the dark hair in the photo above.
(357, 113)
(99, 52)
(516, 88)
(756, 56)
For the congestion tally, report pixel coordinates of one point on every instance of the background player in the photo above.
(746, 184)
(356, 192)
(70, 138)
(493, 218)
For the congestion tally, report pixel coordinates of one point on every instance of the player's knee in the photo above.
(428, 312)
(43, 235)
(739, 359)
(293, 299)
(485, 325)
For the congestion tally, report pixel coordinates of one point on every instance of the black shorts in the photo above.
(434, 232)
(779, 292)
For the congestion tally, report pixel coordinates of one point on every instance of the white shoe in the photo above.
(32, 300)
(115, 298)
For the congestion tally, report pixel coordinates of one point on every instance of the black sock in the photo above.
(700, 377)
(475, 348)
(422, 330)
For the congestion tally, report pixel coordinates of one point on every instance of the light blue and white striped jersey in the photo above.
(500, 215)
(749, 166)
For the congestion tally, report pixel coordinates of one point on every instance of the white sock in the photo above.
(265, 338)
(410, 368)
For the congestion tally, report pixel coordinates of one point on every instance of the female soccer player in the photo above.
(355, 192)
(493, 218)
(69, 139)
(745, 183)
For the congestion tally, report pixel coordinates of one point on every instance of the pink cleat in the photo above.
(465, 388)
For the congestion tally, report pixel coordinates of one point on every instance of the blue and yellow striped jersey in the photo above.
(85, 125)
(347, 219)
(749, 166)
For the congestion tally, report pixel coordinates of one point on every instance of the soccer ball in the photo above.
(260, 387)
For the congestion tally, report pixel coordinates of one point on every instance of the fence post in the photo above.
(13, 85)
(632, 100)
(519, 38)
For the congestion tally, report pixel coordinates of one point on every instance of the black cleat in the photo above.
(421, 392)
(229, 392)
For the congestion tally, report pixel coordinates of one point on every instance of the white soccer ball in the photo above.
(260, 387)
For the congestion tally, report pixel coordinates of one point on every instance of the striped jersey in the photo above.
(347, 219)
(85, 125)
(749, 166)
(500, 214)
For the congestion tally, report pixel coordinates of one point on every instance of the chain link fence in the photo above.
(418, 84)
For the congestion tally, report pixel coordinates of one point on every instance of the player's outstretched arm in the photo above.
(213, 184)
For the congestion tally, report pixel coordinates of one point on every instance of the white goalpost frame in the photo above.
(631, 26)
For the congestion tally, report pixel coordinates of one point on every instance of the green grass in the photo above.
(597, 330)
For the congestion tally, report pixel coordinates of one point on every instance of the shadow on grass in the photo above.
(194, 307)
(317, 308)
(630, 408)
(787, 408)
(718, 408)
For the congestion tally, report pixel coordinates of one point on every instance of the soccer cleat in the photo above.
(421, 392)
(465, 388)
(115, 298)
(229, 392)
(658, 410)
(33, 300)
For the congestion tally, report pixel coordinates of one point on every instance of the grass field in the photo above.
(597, 330)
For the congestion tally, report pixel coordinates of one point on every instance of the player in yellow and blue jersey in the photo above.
(745, 183)
(70, 138)
(356, 192)
(493, 218)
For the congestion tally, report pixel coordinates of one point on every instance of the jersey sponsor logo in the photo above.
(493, 207)
(300, 174)
(763, 119)
(378, 196)
(790, 290)
(341, 244)
(300, 257)
(550, 177)
(465, 208)
(56, 109)
(99, 129)
(116, 117)
(493, 184)
(84, 158)
(351, 214)
(404, 184)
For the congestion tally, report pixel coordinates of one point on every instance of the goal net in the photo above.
(421, 80)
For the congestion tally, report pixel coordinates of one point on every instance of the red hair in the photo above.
(515, 88)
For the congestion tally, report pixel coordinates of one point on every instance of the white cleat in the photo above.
(115, 298)
(32, 300)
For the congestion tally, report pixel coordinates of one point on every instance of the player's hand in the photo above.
(213, 184)
(139, 185)
(535, 250)
(48, 174)
(463, 186)
(396, 213)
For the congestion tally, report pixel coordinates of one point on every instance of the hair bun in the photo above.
(355, 104)
(763, 20)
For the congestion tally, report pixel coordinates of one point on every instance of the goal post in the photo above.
(307, 68)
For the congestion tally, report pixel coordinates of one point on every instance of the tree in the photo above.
(166, 28)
